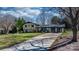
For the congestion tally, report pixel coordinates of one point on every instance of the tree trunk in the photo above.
(74, 30)
(7, 31)
(17, 30)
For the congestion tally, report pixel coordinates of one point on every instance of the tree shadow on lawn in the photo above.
(61, 44)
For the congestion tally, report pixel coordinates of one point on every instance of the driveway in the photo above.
(38, 43)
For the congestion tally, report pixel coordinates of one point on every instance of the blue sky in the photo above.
(19, 12)
(29, 12)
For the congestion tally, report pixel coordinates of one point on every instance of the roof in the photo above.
(28, 22)
(32, 23)
(54, 25)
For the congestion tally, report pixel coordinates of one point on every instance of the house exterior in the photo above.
(32, 27)
(12, 28)
(52, 28)
(2, 30)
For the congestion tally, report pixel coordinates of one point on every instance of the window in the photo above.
(25, 25)
(32, 25)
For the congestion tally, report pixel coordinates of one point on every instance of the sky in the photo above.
(19, 12)
(29, 12)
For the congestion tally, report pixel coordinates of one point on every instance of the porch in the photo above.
(54, 28)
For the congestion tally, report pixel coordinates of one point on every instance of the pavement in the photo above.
(38, 43)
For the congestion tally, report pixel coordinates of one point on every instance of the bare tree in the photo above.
(55, 20)
(73, 14)
(67, 23)
(44, 16)
(7, 23)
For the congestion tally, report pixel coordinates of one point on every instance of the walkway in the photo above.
(39, 43)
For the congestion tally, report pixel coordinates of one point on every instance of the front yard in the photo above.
(74, 46)
(7, 40)
(63, 38)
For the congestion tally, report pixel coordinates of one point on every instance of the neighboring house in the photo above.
(12, 28)
(32, 27)
(2, 30)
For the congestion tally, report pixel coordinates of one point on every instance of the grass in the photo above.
(67, 33)
(7, 40)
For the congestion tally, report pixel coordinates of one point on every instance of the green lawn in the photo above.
(67, 33)
(7, 40)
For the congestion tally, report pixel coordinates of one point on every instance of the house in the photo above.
(52, 28)
(12, 28)
(2, 30)
(32, 27)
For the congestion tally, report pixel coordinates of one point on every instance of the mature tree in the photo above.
(55, 20)
(19, 24)
(7, 22)
(67, 23)
(44, 16)
(73, 14)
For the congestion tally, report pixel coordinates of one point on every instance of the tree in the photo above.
(55, 20)
(73, 14)
(67, 23)
(19, 24)
(44, 16)
(7, 22)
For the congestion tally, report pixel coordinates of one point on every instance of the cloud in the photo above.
(56, 14)
(22, 11)
(29, 12)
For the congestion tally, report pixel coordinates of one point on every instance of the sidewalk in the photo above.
(41, 42)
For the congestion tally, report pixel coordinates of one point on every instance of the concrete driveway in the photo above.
(38, 43)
